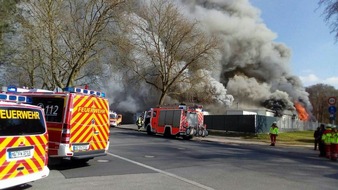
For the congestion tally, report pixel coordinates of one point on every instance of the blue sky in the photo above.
(300, 25)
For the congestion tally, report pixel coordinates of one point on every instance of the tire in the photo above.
(167, 133)
(206, 132)
(187, 131)
(203, 133)
(200, 132)
(192, 132)
(149, 130)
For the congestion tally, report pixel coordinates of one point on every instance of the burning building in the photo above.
(253, 69)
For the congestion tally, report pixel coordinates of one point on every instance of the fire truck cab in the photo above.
(178, 120)
(77, 121)
(115, 119)
(23, 141)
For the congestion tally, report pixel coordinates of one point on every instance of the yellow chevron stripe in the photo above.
(39, 158)
(94, 146)
(36, 141)
(80, 104)
(100, 121)
(4, 144)
(85, 101)
(78, 125)
(88, 138)
(32, 165)
(98, 142)
(81, 121)
(42, 150)
(84, 132)
(8, 167)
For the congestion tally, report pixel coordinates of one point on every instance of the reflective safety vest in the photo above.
(326, 137)
(274, 130)
(139, 121)
(334, 138)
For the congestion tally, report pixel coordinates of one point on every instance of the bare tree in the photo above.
(62, 37)
(165, 47)
(319, 95)
(331, 12)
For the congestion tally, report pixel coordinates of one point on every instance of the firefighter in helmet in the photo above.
(273, 133)
(139, 122)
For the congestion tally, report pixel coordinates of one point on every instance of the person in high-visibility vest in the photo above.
(273, 133)
(326, 138)
(139, 122)
(334, 144)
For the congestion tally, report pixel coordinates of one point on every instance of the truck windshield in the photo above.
(54, 107)
(113, 116)
(21, 121)
(192, 119)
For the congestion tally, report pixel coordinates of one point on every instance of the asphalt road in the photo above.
(138, 161)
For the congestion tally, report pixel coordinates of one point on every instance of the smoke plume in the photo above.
(253, 69)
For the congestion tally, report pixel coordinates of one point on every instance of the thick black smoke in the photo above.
(252, 67)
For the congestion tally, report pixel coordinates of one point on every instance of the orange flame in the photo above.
(302, 114)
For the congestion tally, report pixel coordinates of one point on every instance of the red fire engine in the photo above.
(178, 120)
(77, 121)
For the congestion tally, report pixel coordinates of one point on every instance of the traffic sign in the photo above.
(332, 109)
(332, 100)
(332, 117)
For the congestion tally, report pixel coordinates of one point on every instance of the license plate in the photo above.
(19, 154)
(80, 147)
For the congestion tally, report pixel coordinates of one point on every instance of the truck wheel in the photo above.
(187, 131)
(167, 133)
(193, 132)
(149, 130)
(200, 132)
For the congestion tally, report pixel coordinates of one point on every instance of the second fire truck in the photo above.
(176, 121)
(115, 119)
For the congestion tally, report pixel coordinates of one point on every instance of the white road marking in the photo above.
(162, 172)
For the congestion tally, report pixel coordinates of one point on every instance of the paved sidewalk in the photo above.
(223, 139)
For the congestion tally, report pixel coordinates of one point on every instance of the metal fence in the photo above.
(255, 123)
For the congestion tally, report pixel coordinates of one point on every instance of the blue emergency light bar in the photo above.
(84, 91)
(11, 89)
(13, 98)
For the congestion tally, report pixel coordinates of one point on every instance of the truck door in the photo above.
(89, 123)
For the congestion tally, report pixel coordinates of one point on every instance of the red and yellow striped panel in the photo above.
(200, 118)
(90, 122)
(9, 168)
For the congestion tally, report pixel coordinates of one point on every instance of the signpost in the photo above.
(332, 108)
